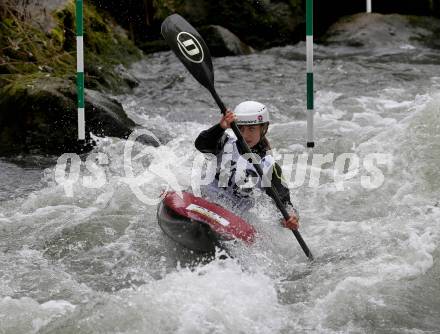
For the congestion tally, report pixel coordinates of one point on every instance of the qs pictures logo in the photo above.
(147, 166)
(159, 159)
(190, 47)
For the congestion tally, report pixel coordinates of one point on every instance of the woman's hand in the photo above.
(291, 223)
(227, 119)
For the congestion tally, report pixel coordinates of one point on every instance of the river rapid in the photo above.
(94, 260)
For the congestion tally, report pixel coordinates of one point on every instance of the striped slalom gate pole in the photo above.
(80, 69)
(309, 48)
(368, 6)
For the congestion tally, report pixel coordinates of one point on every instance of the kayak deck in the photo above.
(199, 225)
(189, 233)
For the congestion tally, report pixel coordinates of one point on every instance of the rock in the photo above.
(108, 78)
(126, 76)
(39, 116)
(153, 46)
(288, 22)
(260, 24)
(378, 31)
(38, 11)
(38, 98)
(222, 42)
(105, 116)
(327, 13)
(196, 11)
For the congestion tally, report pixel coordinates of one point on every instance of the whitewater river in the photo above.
(77, 259)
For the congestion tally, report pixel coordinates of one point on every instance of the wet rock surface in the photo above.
(40, 117)
(378, 30)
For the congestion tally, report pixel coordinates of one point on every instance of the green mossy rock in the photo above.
(39, 116)
(38, 100)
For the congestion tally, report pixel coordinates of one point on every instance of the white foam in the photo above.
(25, 315)
(218, 297)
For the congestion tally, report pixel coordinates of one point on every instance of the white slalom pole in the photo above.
(368, 6)
(80, 69)
(309, 47)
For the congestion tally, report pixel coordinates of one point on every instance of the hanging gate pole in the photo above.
(309, 47)
(80, 68)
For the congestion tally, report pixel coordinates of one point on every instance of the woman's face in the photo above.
(251, 134)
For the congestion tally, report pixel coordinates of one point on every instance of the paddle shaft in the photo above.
(271, 190)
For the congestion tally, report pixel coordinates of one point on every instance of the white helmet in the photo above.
(251, 112)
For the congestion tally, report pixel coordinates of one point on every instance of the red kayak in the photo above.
(197, 224)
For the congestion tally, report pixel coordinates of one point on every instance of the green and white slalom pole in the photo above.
(80, 69)
(368, 6)
(309, 47)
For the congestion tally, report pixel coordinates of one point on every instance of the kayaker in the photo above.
(252, 118)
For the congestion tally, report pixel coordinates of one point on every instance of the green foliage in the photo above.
(103, 44)
(27, 50)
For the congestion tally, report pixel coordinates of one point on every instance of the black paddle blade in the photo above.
(190, 48)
